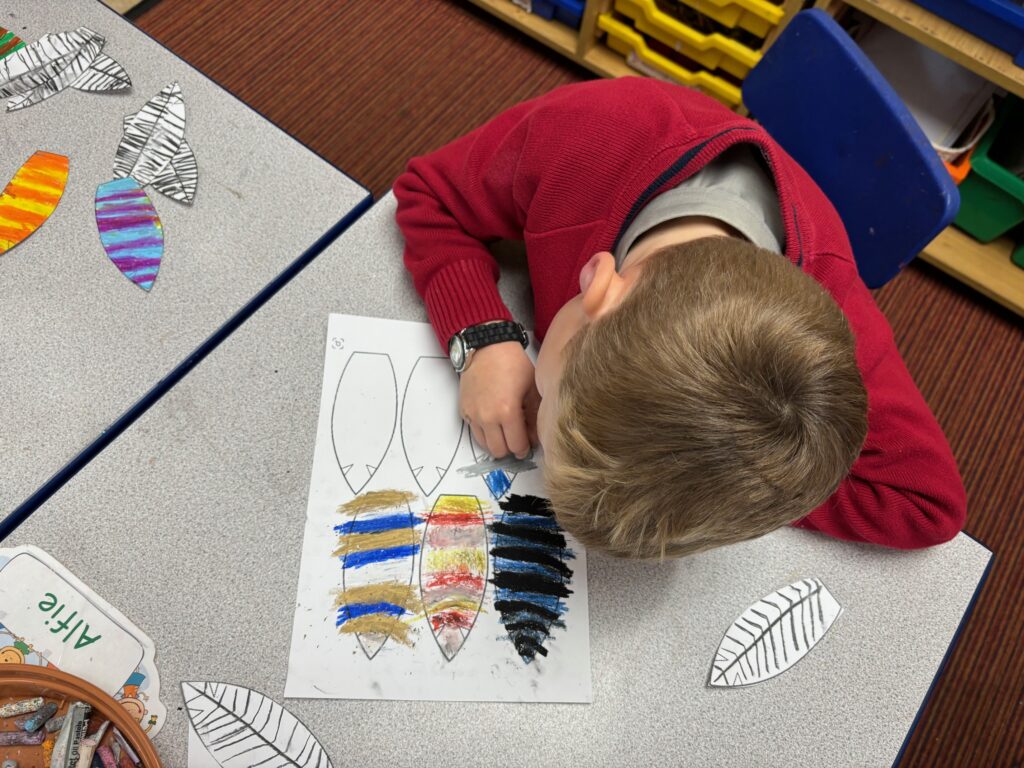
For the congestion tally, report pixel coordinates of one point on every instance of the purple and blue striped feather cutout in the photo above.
(130, 230)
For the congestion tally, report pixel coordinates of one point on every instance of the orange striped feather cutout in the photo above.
(31, 196)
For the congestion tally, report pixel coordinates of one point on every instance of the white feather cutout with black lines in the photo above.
(57, 61)
(39, 62)
(243, 728)
(152, 137)
(84, 49)
(774, 634)
(104, 74)
(179, 179)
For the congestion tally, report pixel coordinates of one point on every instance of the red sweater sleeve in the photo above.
(904, 490)
(450, 203)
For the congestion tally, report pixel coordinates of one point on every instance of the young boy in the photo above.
(698, 383)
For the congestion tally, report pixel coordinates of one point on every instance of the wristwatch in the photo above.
(462, 345)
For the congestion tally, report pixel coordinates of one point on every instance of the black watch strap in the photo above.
(478, 336)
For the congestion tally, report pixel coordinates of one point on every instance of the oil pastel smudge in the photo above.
(376, 609)
(377, 550)
(453, 570)
(509, 464)
(372, 501)
(531, 575)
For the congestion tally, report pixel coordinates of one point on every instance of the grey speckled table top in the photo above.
(191, 523)
(79, 343)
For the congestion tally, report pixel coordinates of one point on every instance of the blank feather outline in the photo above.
(408, 459)
(209, 692)
(483, 592)
(815, 587)
(394, 421)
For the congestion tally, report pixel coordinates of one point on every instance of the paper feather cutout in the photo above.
(33, 73)
(9, 42)
(774, 634)
(104, 74)
(130, 230)
(241, 728)
(152, 151)
(152, 137)
(179, 179)
(31, 196)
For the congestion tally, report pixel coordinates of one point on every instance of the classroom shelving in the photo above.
(985, 267)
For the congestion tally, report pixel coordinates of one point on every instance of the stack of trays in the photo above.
(707, 44)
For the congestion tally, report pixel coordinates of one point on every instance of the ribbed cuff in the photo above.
(464, 293)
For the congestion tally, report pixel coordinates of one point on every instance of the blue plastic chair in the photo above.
(821, 98)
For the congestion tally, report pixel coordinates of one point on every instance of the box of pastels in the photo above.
(50, 718)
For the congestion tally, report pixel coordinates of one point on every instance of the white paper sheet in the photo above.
(389, 422)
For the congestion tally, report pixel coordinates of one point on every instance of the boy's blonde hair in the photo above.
(721, 400)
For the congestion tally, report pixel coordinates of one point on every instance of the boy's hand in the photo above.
(498, 397)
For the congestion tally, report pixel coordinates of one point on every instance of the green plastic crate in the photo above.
(991, 197)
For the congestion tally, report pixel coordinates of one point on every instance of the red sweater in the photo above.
(568, 172)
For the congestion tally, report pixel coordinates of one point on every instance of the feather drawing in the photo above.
(364, 416)
(130, 230)
(241, 728)
(153, 151)
(33, 73)
(498, 474)
(179, 179)
(377, 548)
(9, 42)
(531, 576)
(774, 634)
(431, 427)
(152, 137)
(31, 196)
(453, 570)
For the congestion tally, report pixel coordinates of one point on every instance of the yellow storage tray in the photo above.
(756, 16)
(713, 51)
(630, 43)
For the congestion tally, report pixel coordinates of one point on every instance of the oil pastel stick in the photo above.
(65, 752)
(37, 719)
(21, 738)
(106, 756)
(9, 764)
(126, 751)
(21, 707)
(54, 723)
(86, 752)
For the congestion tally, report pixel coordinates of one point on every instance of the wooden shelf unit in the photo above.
(985, 267)
(582, 47)
(951, 41)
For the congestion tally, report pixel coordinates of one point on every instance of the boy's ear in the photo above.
(607, 288)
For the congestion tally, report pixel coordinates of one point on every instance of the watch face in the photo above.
(457, 352)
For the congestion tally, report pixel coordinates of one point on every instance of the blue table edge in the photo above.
(22, 512)
(954, 641)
